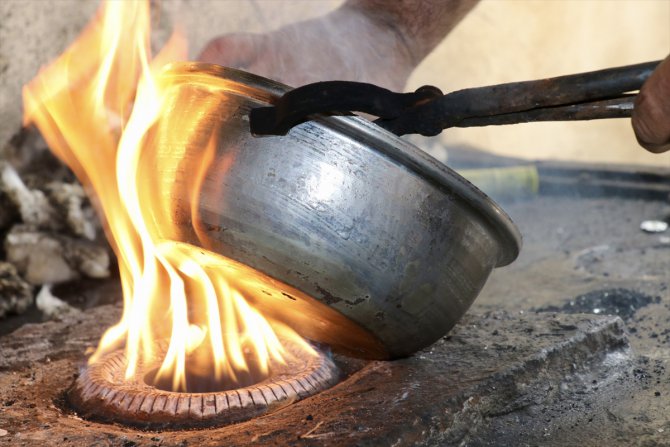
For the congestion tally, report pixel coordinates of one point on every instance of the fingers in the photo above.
(651, 116)
(233, 50)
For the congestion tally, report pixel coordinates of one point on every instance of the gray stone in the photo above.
(15, 294)
(51, 306)
(33, 205)
(71, 201)
(49, 258)
(61, 207)
(8, 212)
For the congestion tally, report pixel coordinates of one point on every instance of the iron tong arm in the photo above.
(585, 96)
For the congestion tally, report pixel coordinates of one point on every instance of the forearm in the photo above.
(420, 24)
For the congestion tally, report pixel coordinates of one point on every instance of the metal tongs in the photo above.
(586, 96)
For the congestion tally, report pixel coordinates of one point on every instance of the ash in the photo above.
(49, 231)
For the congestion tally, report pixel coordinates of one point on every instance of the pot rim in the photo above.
(384, 142)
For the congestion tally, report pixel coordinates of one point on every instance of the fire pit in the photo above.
(102, 392)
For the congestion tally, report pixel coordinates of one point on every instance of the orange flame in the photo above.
(94, 105)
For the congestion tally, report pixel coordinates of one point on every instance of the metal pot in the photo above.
(362, 240)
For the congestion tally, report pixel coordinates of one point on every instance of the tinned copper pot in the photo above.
(348, 233)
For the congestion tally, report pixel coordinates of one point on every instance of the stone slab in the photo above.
(489, 368)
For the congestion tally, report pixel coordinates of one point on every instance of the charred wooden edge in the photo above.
(94, 397)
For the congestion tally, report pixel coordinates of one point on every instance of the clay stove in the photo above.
(103, 392)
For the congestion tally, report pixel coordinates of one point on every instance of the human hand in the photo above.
(342, 45)
(651, 116)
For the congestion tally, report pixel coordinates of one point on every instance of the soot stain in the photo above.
(328, 298)
(617, 301)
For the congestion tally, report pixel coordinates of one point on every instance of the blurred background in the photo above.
(500, 41)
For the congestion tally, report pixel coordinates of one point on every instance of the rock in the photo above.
(9, 214)
(33, 205)
(52, 306)
(49, 258)
(653, 226)
(15, 294)
(61, 207)
(72, 201)
(86, 257)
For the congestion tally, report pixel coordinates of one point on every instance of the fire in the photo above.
(95, 105)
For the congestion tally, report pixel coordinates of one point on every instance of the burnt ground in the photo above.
(621, 302)
(589, 255)
(520, 369)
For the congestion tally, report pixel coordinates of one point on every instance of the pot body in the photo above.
(344, 218)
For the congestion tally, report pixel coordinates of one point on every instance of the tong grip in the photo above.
(334, 97)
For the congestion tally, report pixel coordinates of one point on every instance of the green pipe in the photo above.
(505, 182)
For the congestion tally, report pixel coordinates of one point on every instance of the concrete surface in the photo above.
(518, 370)
(490, 367)
(501, 41)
